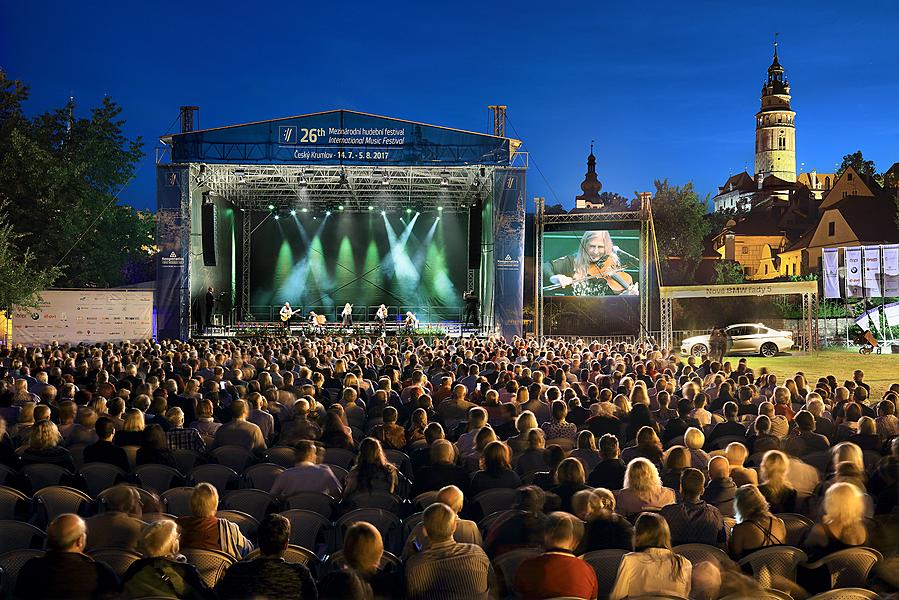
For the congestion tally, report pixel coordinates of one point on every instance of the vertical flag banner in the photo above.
(831, 260)
(508, 239)
(891, 270)
(872, 271)
(853, 258)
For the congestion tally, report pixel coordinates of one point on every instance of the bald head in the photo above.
(719, 467)
(67, 533)
(439, 522)
(452, 497)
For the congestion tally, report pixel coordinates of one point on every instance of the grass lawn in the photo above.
(880, 370)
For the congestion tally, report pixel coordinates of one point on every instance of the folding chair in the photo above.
(185, 459)
(316, 502)
(148, 501)
(337, 562)
(339, 456)
(424, 500)
(697, 553)
(253, 502)
(247, 524)
(506, 565)
(221, 477)
(234, 457)
(283, 456)
(797, 527)
(382, 500)
(14, 504)
(294, 555)
(16, 535)
(211, 564)
(307, 529)
(850, 567)
(262, 476)
(847, 594)
(387, 523)
(77, 452)
(491, 501)
(177, 501)
(605, 564)
(99, 476)
(118, 559)
(10, 565)
(59, 499)
(44, 475)
(131, 451)
(158, 478)
(774, 564)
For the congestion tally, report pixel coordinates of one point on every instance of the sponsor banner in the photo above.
(872, 271)
(831, 260)
(853, 259)
(172, 239)
(508, 238)
(75, 316)
(891, 270)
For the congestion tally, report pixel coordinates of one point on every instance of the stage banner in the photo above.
(872, 271)
(172, 264)
(831, 260)
(91, 315)
(891, 271)
(853, 259)
(508, 239)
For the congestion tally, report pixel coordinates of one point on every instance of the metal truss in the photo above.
(246, 225)
(538, 266)
(593, 217)
(355, 188)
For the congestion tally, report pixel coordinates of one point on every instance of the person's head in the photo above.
(363, 547)
(678, 459)
(651, 531)
(608, 446)
(484, 436)
(750, 504)
(692, 484)
(594, 246)
(122, 498)
(848, 452)
(305, 451)
(43, 435)
(586, 440)
(774, 468)
(719, 468)
(642, 476)
(175, 417)
(452, 497)
(805, 421)
(536, 439)
(571, 472)
(762, 425)
(67, 533)
(867, 426)
(496, 458)
(694, 438)
(731, 411)
(442, 452)
(439, 522)
(530, 498)
(647, 436)
(525, 422)
(844, 504)
(736, 454)
(105, 429)
(204, 500)
(159, 538)
(239, 409)
(371, 453)
(559, 410)
(584, 503)
(273, 535)
(563, 531)
(134, 420)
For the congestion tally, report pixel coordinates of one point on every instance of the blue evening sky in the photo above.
(667, 89)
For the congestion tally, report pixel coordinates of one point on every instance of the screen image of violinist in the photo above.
(591, 263)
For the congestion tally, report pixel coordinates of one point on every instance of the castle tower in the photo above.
(775, 131)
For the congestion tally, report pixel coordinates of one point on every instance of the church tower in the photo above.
(775, 132)
(590, 186)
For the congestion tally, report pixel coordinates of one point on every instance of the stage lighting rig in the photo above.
(303, 181)
(444, 178)
(293, 212)
(343, 181)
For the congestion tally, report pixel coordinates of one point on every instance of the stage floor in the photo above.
(451, 329)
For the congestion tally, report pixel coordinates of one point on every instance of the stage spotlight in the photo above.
(340, 207)
(417, 214)
(370, 207)
(327, 213)
(277, 217)
(383, 213)
(408, 211)
(439, 209)
(293, 213)
(271, 207)
(305, 210)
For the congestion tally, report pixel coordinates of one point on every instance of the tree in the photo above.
(861, 166)
(60, 176)
(20, 281)
(681, 226)
(613, 201)
(728, 272)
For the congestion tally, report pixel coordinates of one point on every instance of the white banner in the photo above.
(853, 259)
(75, 316)
(831, 261)
(891, 270)
(872, 271)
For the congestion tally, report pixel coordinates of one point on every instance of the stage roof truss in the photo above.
(320, 188)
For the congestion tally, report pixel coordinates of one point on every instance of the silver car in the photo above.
(743, 338)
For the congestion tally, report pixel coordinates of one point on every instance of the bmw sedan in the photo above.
(744, 338)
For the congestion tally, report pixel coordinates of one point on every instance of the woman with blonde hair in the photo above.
(43, 447)
(643, 489)
(779, 493)
(756, 527)
(649, 446)
(523, 424)
(132, 434)
(653, 569)
(571, 479)
(162, 571)
(605, 529)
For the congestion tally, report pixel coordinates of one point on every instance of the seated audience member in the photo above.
(736, 454)
(390, 434)
(422, 456)
(205, 531)
(557, 572)
(524, 423)
(779, 493)
(570, 479)
(180, 437)
(372, 471)
(609, 472)
(553, 455)
(731, 427)
(441, 472)
(239, 431)
(648, 446)
(496, 470)
(884, 484)
(305, 475)
(887, 422)
(83, 431)
(268, 576)
(721, 488)
(677, 426)
(692, 520)
(43, 447)
(761, 440)
(605, 529)
(841, 526)
(477, 418)
(642, 489)
(756, 527)
(676, 462)
(559, 427)
(117, 526)
(155, 449)
(362, 550)
(803, 440)
(103, 450)
(523, 527)
(132, 433)
(160, 572)
(866, 438)
(586, 452)
(694, 440)
(533, 459)
(703, 416)
(447, 569)
(823, 423)
(466, 531)
(779, 411)
(653, 569)
(602, 420)
(205, 422)
(65, 571)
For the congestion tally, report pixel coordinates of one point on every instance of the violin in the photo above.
(616, 278)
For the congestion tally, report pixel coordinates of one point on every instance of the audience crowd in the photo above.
(444, 469)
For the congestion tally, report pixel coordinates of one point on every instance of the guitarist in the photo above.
(287, 315)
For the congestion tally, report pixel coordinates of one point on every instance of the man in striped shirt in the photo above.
(448, 570)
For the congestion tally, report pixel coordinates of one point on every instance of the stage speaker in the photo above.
(207, 224)
(475, 229)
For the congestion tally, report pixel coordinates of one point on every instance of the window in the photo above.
(849, 176)
(831, 229)
(827, 183)
(745, 250)
(782, 143)
(845, 193)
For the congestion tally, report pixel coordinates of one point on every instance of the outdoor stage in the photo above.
(339, 207)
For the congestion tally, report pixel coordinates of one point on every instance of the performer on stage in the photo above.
(410, 323)
(316, 322)
(347, 315)
(594, 270)
(210, 305)
(381, 317)
(287, 315)
(471, 308)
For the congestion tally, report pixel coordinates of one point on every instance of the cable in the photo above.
(531, 160)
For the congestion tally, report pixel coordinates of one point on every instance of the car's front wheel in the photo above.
(699, 350)
(768, 350)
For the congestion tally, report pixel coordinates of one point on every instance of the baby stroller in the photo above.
(867, 342)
